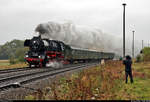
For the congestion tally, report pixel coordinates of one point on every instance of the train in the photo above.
(43, 51)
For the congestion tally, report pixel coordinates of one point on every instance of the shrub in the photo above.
(20, 53)
(18, 56)
(139, 58)
(146, 54)
(12, 60)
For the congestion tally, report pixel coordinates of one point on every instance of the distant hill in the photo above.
(10, 48)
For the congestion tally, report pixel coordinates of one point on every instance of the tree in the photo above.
(146, 54)
(20, 53)
(9, 48)
(13, 50)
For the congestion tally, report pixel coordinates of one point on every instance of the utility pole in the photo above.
(142, 44)
(133, 45)
(124, 4)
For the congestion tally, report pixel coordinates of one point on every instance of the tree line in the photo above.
(13, 51)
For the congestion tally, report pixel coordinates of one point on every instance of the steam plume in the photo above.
(80, 36)
(54, 64)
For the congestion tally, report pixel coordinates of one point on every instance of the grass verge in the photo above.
(103, 82)
(4, 64)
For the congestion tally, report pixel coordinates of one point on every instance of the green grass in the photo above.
(4, 62)
(139, 89)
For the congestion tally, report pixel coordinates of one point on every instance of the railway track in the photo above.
(23, 69)
(14, 70)
(17, 71)
(6, 83)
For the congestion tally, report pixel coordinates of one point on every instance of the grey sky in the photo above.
(18, 18)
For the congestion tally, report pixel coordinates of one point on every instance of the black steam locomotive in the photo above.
(43, 51)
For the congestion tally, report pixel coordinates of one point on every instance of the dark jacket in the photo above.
(127, 64)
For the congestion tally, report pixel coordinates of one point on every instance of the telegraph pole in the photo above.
(124, 4)
(133, 45)
(142, 44)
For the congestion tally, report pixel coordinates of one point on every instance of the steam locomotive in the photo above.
(43, 51)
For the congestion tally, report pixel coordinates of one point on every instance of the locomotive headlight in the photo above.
(41, 56)
(26, 55)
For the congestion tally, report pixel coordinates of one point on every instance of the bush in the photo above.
(20, 53)
(12, 60)
(17, 56)
(20, 59)
(146, 54)
(139, 58)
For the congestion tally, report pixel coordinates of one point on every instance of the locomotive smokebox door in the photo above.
(27, 42)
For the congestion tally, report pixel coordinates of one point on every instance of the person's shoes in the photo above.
(131, 81)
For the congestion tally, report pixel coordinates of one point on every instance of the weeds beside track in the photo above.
(32, 76)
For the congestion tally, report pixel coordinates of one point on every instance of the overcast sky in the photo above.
(18, 18)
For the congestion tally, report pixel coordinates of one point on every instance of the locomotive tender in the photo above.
(42, 51)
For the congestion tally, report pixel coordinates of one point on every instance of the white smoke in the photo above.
(54, 64)
(80, 36)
